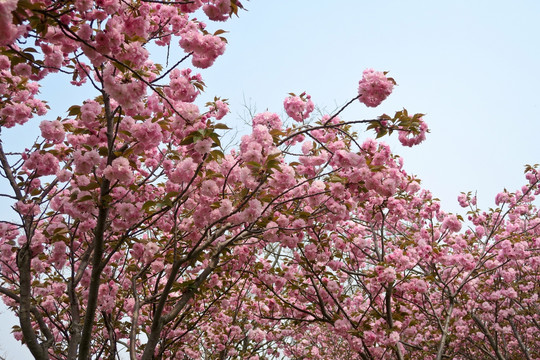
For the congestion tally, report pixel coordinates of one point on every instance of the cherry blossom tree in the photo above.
(402, 281)
(139, 234)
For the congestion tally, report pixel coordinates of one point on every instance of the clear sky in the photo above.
(472, 66)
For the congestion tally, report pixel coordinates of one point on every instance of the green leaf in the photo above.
(85, 198)
(74, 110)
(254, 164)
(89, 187)
(376, 168)
(188, 140)
(217, 154)
(120, 66)
(199, 85)
(273, 164)
(381, 133)
(189, 284)
(221, 126)
(147, 205)
(277, 132)
(167, 202)
(274, 156)
(215, 138)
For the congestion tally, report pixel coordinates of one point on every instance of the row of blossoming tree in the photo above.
(137, 234)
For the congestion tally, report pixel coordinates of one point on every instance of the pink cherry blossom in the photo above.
(139, 231)
(298, 107)
(374, 87)
(52, 130)
(42, 163)
(406, 138)
(8, 30)
(268, 119)
(120, 170)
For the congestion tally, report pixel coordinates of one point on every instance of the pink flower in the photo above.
(333, 287)
(209, 188)
(27, 209)
(218, 11)
(119, 170)
(148, 134)
(84, 163)
(44, 164)
(127, 211)
(135, 53)
(181, 88)
(310, 251)
(385, 275)
(462, 200)
(53, 59)
(253, 210)
(58, 254)
(205, 48)
(256, 335)
(501, 198)
(226, 207)
(17, 113)
(393, 338)
(137, 250)
(221, 109)
(83, 5)
(388, 187)
(342, 325)
(89, 113)
(150, 251)
(184, 171)
(8, 31)
(126, 90)
(190, 112)
(52, 130)
(451, 223)
(406, 139)
(203, 146)
(374, 87)
(298, 107)
(22, 69)
(251, 151)
(191, 6)
(157, 265)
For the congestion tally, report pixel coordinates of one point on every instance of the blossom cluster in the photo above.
(299, 107)
(374, 87)
(303, 242)
(8, 31)
(18, 95)
(411, 138)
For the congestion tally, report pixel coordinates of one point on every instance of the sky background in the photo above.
(471, 66)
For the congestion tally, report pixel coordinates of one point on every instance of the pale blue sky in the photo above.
(472, 66)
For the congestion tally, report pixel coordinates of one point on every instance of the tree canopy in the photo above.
(139, 235)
